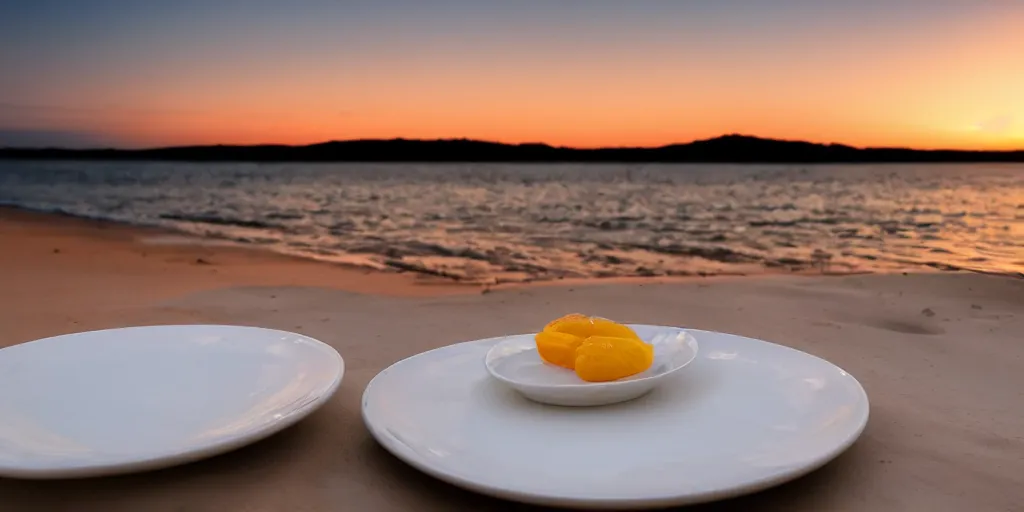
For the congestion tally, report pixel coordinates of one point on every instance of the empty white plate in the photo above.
(140, 398)
(745, 415)
(516, 362)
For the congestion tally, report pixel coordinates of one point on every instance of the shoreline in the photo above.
(36, 233)
(217, 253)
(103, 244)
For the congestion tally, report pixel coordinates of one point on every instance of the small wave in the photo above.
(717, 253)
(76, 214)
(221, 221)
(829, 221)
(285, 216)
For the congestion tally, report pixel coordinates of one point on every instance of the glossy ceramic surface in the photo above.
(515, 362)
(140, 398)
(744, 416)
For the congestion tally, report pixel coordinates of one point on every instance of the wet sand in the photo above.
(939, 355)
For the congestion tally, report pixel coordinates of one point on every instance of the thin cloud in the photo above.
(999, 124)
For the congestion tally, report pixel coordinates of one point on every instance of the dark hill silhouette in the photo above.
(729, 148)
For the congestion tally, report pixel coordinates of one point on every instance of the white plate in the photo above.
(744, 416)
(140, 398)
(516, 362)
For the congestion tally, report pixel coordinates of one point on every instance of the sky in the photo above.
(586, 73)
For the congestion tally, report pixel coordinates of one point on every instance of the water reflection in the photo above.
(523, 222)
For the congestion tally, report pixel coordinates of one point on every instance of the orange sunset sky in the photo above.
(582, 73)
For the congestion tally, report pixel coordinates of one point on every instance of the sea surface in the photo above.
(498, 223)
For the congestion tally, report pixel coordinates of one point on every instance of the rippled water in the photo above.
(491, 222)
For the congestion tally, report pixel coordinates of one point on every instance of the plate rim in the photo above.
(201, 451)
(406, 454)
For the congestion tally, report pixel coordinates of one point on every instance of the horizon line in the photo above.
(733, 135)
(511, 144)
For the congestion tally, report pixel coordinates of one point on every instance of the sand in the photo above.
(940, 356)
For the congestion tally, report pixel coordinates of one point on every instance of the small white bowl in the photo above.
(515, 362)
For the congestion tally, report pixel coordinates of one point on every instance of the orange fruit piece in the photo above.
(558, 348)
(585, 327)
(598, 349)
(607, 358)
(605, 327)
(574, 324)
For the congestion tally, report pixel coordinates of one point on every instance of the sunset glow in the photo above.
(584, 74)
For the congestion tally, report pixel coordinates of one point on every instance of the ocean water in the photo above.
(496, 223)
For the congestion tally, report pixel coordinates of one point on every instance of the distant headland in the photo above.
(724, 149)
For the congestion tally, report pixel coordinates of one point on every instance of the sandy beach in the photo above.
(938, 353)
